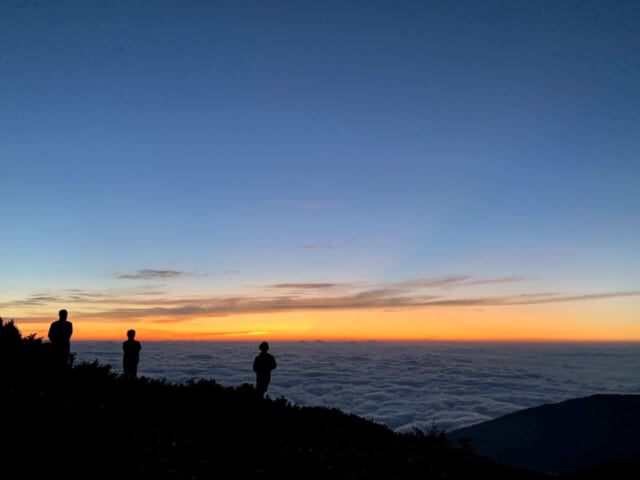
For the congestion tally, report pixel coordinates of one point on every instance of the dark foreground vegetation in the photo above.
(88, 422)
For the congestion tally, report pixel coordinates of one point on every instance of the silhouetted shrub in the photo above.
(9, 334)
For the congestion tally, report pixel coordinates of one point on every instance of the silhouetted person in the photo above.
(60, 333)
(131, 357)
(262, 365)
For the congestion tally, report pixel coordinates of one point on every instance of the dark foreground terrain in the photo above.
(87, 422)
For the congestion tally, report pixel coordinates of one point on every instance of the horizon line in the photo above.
(370, 340)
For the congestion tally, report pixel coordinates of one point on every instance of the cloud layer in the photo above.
(401, 385)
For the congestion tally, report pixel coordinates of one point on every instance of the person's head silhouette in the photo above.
(131, 334)
(264, 347)
(62, 314)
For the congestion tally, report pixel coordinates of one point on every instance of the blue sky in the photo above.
(248, 143)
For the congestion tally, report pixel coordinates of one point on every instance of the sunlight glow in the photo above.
(545, 322)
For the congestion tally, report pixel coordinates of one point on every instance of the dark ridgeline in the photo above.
(131, 356)
(263, 364)
(60, 333)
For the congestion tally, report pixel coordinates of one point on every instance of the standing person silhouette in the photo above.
(131, 356)
(60, 333)
(262, 365)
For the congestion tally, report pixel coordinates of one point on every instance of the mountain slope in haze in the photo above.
(563, 438)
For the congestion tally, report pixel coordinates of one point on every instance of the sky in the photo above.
(321, 170)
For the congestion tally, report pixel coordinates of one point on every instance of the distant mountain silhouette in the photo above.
(564, 438)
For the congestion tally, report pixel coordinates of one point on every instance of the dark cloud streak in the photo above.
(455, 281)
(306, 286)
(148, 274)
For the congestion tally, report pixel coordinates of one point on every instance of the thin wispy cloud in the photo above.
(306, 286)
(576, 298)
(151, 293)
(455, 281)
(291, 296)
(79, 296)
(527, 299)
(31, 300)
(486, 281)
(148, 274)
(74, 295)
(183, 309)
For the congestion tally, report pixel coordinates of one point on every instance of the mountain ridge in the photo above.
(564, 438)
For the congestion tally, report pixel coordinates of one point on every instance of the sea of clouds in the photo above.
(402, 385)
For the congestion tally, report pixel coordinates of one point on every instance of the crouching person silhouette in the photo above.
(262, 365)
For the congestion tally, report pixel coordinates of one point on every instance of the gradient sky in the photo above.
(342, 169)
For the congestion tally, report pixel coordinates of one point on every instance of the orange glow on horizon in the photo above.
(539, 323)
